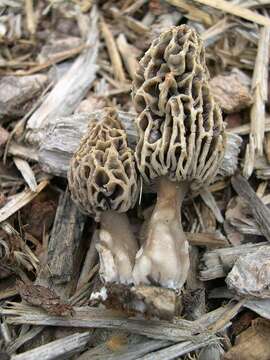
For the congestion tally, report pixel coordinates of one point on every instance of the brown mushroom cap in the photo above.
(181, 132)
(102, 173)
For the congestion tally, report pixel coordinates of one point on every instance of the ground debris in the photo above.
(43, 297)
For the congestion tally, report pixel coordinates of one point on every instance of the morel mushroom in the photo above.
(103, 183)
(181, 145)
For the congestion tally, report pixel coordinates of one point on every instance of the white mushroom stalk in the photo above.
(164, 258)
(181, 145)
(103, 183)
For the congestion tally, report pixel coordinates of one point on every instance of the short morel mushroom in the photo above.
(103, 183)
(181, 145)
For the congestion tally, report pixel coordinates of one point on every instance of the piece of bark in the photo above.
(17, 94)
(72, 87)
(217, 263)
(253, 343)
(45, 298)
(260, 212)
(209, 240)
(232, 92)
(64, 251)
(250, 275)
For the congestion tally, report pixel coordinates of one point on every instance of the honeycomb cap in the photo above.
(102, 174)
(181, 131)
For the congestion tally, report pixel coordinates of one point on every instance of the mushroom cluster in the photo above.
(103, 183)
(180, 147)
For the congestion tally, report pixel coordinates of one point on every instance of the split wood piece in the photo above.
(30, 16)
(174, 351)
(194, 295)
(210, 201)
(113, 52)
(250, 275)
(193, 12)
(92, 317)
(72, 87)
(257, 114)
(24, 152)
(91, 259)
(259, 306)
(26, 172)
(261, 213)
(217, 263)
(171, 79)
(130, 351)
(135, 25)
(20, 200)
(236, 10)
(104, 184)
(62, 348)
(65, 249)
(245, 129)
(207, 239)
(128, 53)
(16, 94)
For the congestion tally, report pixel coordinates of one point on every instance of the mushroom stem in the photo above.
(117, 248)
(164, 258)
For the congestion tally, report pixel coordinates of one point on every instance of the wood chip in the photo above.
(20, 200)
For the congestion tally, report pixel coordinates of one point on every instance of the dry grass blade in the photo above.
(236, 10)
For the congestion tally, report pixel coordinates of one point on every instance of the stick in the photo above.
(236, 10)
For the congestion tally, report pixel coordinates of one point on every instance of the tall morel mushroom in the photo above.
(181, 145)
(103, 183)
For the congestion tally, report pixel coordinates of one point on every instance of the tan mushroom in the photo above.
(103, 183)
(181, 145)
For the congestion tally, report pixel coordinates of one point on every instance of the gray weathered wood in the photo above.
(217, 263)
(72, 87)
(58, 349)
(129, 352)
(61, 138)
(260, 211)
(64, 246)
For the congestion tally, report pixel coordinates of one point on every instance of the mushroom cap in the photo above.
(102, 174)
(181, 131)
